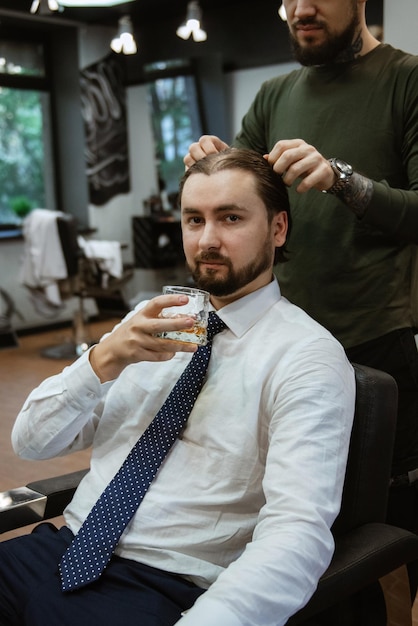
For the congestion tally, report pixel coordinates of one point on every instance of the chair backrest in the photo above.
(67, 230)
(368, 471)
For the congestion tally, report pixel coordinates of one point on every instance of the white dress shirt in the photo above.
(244, 502)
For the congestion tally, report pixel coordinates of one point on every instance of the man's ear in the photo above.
(280, 223)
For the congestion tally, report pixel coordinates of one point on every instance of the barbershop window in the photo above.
(25, 143)
(176, 119)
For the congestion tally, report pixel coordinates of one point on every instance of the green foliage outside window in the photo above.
(176, 123)
(21, 153)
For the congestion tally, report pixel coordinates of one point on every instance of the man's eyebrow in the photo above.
(224, 208)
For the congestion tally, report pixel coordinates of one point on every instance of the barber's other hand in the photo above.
(207, 144)
(295, 160)
(136, 339)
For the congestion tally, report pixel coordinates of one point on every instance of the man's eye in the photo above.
(232, 218)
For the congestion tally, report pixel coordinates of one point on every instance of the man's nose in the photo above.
(209, 237)
(304, 8)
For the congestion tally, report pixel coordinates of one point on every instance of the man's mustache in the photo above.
(211, 256)
(306, 21)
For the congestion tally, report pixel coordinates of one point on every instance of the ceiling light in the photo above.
(192, 24)
(282, 13)
(124, 41)
(43, 7)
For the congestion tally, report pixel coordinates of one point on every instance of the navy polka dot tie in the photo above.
(92, 547)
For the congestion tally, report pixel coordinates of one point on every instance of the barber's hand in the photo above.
(295, 160)
(207, 144)
(135, 340)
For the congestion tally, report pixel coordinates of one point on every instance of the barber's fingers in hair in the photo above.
(286, 151)
(210, 144)
(207, 144)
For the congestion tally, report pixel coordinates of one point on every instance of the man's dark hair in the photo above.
(269, 185)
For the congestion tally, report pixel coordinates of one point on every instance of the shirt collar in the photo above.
(243, 313)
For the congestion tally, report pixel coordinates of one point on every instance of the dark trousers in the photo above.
(127, 593)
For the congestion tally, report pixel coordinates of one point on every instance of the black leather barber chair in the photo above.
(367, 550)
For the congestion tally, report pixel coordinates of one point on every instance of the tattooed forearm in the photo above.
(357, 193)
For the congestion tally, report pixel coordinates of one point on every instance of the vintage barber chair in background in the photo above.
(8, 336)
(79, 275)
(367, 549)
(86, 280)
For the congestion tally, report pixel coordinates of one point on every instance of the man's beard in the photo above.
(234, 279)
(336, 48)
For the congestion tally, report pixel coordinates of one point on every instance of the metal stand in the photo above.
(79, 343)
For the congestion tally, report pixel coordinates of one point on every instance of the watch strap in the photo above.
(338, 186)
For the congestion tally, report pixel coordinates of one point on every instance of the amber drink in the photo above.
(196, 307)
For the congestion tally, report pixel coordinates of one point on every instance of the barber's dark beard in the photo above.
(337, 49)
(235, 279)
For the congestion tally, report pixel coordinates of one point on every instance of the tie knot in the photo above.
(215, 325)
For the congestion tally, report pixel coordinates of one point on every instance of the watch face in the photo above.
(343, 167)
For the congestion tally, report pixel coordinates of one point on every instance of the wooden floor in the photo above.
(22, 369)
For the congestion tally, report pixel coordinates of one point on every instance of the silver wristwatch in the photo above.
(343, 172)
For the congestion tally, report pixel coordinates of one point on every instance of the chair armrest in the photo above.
(39, 500)
(361, 557)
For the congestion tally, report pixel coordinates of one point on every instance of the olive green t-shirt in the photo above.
(352, 275)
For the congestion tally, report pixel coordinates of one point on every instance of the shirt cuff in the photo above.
(207, 612)
(83, 375)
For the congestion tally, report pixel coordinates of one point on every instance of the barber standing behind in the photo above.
(347, 123)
